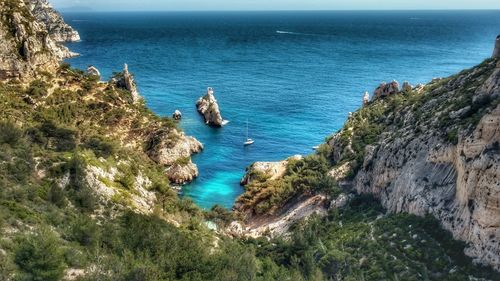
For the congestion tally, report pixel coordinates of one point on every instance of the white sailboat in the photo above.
(249, 141)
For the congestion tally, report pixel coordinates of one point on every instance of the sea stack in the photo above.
(496, 51)
(177, 115)
(209, 108)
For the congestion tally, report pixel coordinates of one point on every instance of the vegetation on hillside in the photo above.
(362, 242)
(303, 177)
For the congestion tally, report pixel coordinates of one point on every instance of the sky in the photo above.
(197, 5)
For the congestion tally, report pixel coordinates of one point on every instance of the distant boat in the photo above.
(249, 141)
(315, 147)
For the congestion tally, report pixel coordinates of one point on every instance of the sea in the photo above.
(293, 75)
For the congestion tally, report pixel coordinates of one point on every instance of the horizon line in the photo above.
(90, 10)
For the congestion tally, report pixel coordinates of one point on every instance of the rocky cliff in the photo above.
(25, 44)
(209, 108)
(52, 21)
(435, 152)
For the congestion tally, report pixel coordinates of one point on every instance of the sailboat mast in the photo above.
(247, 128)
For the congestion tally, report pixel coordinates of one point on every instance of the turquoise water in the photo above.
(293, 75)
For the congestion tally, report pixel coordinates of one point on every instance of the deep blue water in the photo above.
(295, 86)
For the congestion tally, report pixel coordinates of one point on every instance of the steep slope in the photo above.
(441, 157)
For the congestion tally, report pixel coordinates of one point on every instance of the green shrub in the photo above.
(127, 181)
(100, 147)
(61, 139)
(85, 231)
(452, 136)
(56, 196)
(39, 256)
(9, 133)
(37, 89)
(183, 161)
(220, 215)
(80, 193)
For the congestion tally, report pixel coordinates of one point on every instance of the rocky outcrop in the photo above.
(407, 87)
(268, 170)
(209, 108)
(140, 200)
(52, 21)
(93, 71)
(177, 115)
(496, 50)
(386, 89)
(172, 149)
(125, 80)
(25, 46)
(181, 173)
(440, 158)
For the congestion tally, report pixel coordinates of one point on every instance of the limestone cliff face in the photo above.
(25, 44)
(439, 156)
(52, 21)
(209, 108)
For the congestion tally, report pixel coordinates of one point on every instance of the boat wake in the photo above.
(295, 33)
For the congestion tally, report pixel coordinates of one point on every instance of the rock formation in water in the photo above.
(52, 21)
(209, 108)
(177, 115)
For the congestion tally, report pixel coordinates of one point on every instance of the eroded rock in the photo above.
(177, 115)
(173, 149)
(209, 108)
(93, 71)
